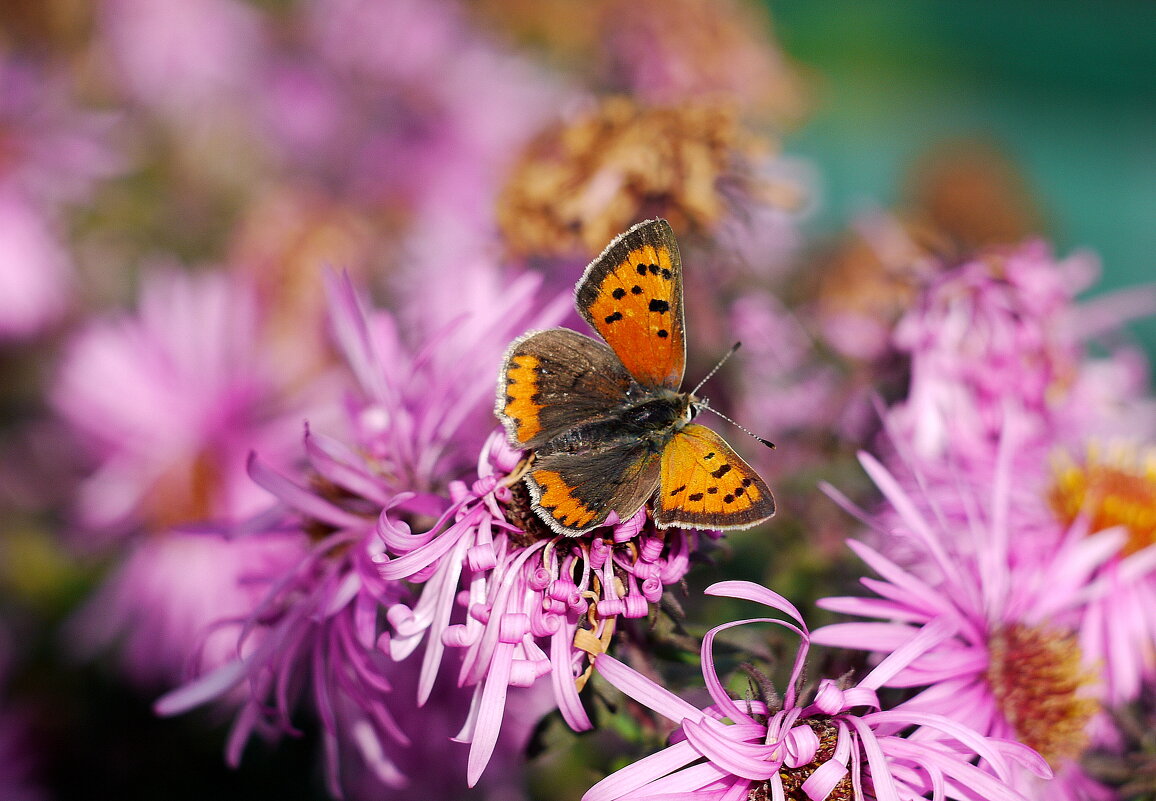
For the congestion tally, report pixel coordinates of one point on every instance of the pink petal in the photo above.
(749, 761)
(490, 713)
(202, 689)
(646, 770)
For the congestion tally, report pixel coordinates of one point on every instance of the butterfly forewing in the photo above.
(576, 492)
(632, 296)
(553, 380)
(705, 484)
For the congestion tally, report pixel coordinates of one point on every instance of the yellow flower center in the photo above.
(1038, 683)
(1113, 489)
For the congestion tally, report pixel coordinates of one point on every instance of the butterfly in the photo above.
(608, 425)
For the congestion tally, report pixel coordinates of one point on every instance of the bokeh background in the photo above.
(1057, 99)
(1066, 90)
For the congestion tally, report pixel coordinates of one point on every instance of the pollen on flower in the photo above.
(579, 184)
(1114, 489)
(1037, 680)
(793, 778)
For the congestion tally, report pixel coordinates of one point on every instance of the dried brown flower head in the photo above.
(579, 184)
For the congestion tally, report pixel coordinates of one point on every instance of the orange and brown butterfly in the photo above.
(609, 427)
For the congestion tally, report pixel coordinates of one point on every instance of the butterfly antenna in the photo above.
(705, 405)
(714, 369)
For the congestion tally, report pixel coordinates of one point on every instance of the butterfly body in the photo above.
(608, 424)
(657, 416)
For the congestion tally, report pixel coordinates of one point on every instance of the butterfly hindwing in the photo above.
(705, 484)
(575, 492)
(632, 296)
(552, 380)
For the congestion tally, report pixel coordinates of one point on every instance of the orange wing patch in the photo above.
(552, 493)
(705, 484)
(520, 409)
(632, 296)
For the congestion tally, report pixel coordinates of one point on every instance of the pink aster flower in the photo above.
(172, 450)
(1002, 326)
(174, 605)
(536, 604)
(1014, 667)
(316, 637)
(169, 401)
(313, 632)
(840, 744)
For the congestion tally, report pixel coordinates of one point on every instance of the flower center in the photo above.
(793, 778)
(520, 511)
(580, 184)
(187, 492)
(1119, 490)
(1036, 677)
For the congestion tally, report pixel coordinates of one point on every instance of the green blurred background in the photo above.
(1066, 88)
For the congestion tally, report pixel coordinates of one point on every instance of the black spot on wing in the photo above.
(722, 471)
(660, 306)
(619, 293)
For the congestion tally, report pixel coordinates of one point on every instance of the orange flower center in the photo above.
(1118, 489)
(1038, 682)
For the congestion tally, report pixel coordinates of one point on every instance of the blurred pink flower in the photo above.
(1018, 603)
(783, 385)
(182, 59)
(35, 268)
(171, 399)
(669, 51)
(840, 745)
(52, 153)
(407, 105)
(1004, 327)
(175, 604)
